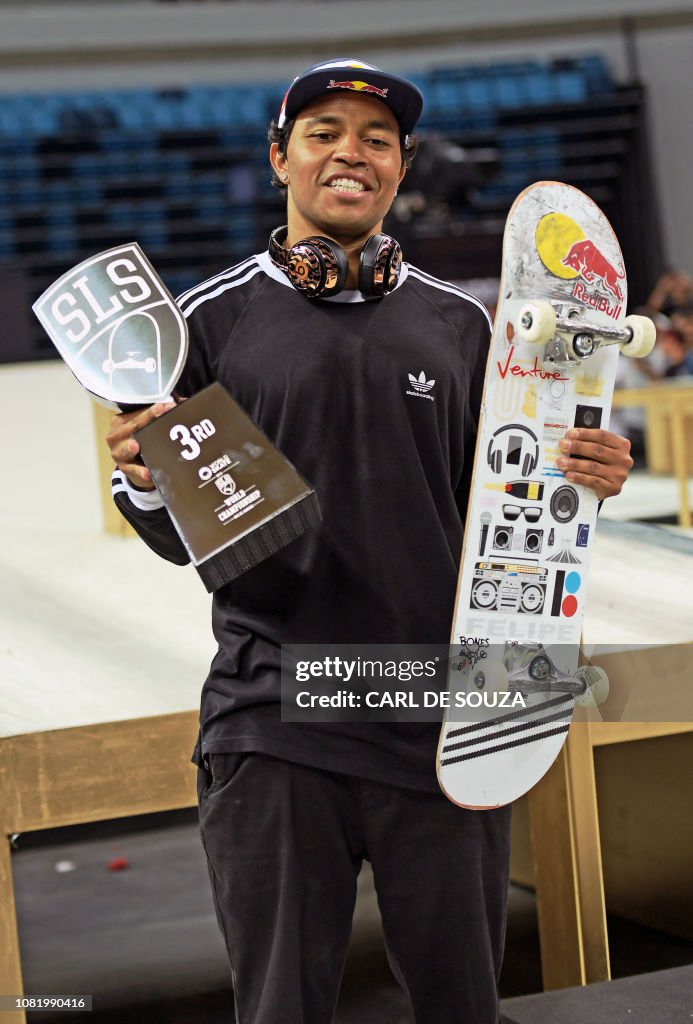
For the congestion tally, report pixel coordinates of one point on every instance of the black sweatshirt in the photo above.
(376, 404)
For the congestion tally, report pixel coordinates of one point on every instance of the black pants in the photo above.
(284, 845)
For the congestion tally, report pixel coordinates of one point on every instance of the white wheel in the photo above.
(488, 677)
(644, 336)
(536, 322)
(597, 686)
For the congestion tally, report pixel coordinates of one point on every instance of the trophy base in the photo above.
(260, 543)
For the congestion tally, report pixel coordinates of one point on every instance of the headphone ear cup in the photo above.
(379, 265)
(336, 265)
(317, 266)
(495, 459)
(531, 461)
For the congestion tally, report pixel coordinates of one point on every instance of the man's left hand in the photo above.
(604, 462)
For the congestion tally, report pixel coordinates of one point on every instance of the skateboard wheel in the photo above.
(489, 677)
(597, 686)
(536, 322)
(644, 336)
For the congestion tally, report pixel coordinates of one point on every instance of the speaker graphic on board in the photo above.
(564, 503)
(588, 416)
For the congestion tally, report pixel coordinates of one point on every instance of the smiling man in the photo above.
(342, 166)
(367, 373)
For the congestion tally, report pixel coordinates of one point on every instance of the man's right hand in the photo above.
(124, 448)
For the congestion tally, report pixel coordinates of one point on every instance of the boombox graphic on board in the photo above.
(509, 587)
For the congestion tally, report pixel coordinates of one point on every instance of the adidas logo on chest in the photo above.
(421, 386)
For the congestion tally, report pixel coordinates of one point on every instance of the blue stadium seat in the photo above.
(248, 104)
(210, 210)
(60, 238)
(87, 165)
(477, 94)
(7, 244)
(121, 213)
(596, 73)
(508, 91)
(176, 179)
(60, 214)
(571, 86)
(541, 89)
(133, 117)
(28, 194)
(193, 112)
(89, 190)
(117, 164)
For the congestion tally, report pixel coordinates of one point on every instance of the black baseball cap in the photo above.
(402, 97)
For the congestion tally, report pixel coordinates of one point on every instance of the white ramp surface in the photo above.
(94, 628)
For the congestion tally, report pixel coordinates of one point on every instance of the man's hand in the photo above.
(604, 464)
(124, 448)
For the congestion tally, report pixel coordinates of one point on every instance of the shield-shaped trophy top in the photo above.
(117, 327)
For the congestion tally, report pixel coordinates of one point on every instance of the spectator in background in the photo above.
(669, 358)
(670, 305)
(682, 323)
(673, 290)
(679, 343)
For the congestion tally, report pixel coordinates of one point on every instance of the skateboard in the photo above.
(514, 675)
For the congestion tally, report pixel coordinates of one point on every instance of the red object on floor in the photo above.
(119, 864)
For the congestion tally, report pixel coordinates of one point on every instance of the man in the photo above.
(289, 811)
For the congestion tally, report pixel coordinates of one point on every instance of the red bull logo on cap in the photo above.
(359, 87)
(568, 253)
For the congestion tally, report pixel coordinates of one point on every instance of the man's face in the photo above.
(344, 164)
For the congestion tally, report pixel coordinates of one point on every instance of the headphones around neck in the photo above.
(318, 267)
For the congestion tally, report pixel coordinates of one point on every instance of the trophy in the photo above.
(232, 496)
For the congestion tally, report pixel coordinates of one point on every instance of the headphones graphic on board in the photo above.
(317, 266)
(496, 456)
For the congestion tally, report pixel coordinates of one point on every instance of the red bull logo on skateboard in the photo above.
(592, 265)
(359, 87)
(567, 253)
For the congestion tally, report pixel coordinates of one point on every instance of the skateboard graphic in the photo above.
(514, 675)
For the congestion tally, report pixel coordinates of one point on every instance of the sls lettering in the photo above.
(83, 311)
(535, 371)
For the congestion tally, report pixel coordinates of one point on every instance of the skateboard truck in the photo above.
(531, 670)
(540, 322)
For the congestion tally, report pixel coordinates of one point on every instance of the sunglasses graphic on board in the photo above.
(531, 514)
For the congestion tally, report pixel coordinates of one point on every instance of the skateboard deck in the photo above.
(514, 676)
